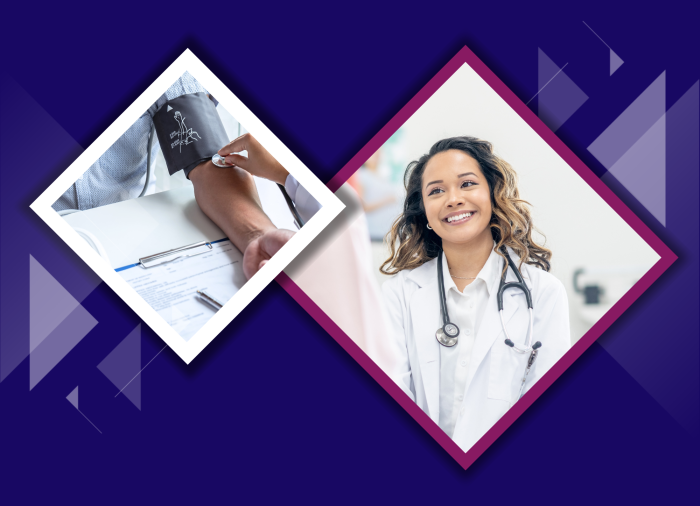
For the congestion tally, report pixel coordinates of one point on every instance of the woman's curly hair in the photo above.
(412, 243)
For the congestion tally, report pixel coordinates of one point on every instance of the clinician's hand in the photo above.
(260, 250)
(258, 162)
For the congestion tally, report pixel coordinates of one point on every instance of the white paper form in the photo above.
(171, 288)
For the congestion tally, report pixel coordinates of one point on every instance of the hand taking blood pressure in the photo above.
(258, 162)
(257, 237)
(254, 234)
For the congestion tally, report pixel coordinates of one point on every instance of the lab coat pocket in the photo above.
(506, 372)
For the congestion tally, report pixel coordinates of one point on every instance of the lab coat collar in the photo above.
(511, 276)
(490, 272)
(424, 274)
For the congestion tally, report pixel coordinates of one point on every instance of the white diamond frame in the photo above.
(332, 206)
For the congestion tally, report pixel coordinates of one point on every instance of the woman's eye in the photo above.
(467, 184)
(435, 191)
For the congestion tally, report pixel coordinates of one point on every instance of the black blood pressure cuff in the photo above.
(189, 131)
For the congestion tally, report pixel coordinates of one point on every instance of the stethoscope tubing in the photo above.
(449, 329)
(520, 284)
(509, 342)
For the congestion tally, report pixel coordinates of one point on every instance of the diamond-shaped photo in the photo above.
(187, 206)
(477, 262)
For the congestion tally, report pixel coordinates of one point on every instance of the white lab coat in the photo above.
(495, 370)
(305, 203)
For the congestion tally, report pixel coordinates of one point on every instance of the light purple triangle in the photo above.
(22, 114)
(629, 126)
(672, 391)
(558, 96)
(73, 398)
(615, 62)
(123, 364)
(58, 344)
(642, 170)
(49, 303)
(53, 332)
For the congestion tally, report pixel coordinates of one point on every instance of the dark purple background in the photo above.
(299, 417)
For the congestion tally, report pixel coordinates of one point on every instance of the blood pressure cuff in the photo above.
(189, 131)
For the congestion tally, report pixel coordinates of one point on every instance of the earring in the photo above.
(428, 225)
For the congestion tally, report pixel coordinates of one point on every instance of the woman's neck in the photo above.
(467, 260)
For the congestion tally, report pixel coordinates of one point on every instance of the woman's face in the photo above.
(456, 197)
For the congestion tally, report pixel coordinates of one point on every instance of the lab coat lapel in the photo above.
(425, 317)
(491, 329)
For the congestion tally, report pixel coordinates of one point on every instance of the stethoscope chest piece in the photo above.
(449, 332)
(220, 161)
(443, 335)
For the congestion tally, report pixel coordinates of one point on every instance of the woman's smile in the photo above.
(459, 217)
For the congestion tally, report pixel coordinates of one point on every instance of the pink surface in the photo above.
(667, 258)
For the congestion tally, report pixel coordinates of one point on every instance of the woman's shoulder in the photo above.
(410, 278)
(538, 278)
(543, 281)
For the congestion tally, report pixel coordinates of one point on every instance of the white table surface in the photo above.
(152, 224)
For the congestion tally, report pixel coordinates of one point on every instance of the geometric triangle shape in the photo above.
(682, 123)
(49, 303)
(169, 109)
(59, 343)
(682, 163)
(123, 364)
(615, 62)
(73, 398)
(642, 170)
(546, 69)
(21, 233)
(559, 97)
(632, 124)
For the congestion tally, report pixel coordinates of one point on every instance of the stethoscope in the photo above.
(448, 334)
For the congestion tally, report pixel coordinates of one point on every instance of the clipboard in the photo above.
(187, 285)
(171, 255)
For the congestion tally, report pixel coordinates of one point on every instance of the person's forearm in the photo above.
(230, 199)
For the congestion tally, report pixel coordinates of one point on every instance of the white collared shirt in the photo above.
(466, 309)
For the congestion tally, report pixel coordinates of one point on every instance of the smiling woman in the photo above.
(466, 168)
(463, 223)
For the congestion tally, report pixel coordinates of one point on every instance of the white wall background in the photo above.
(580, 228)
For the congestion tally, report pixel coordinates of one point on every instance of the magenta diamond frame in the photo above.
(667, 257)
